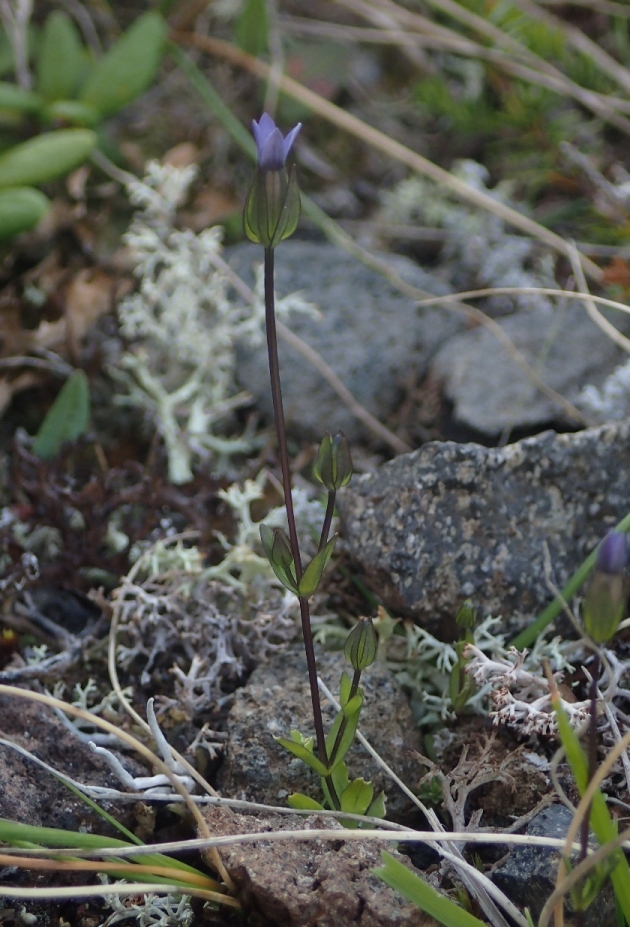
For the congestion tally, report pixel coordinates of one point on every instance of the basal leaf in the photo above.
(67, 419)
(45, 157)
(60, 58)
(21, 208)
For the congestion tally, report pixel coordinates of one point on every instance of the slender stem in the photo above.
(278, 411)
(354, 688)
(330, 511)
(592, 766)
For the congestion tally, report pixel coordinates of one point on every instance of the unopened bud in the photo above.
(278, 550)
(607, 591)
(362, 644)
(466, 615)
(333, 464)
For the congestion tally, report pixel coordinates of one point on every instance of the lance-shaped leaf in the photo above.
(313, 573)
(303, 753)
(60, 58)
(45, 157)
(377, 808)
(340, 780)
(17, 100)
(278, 550)
(21, 208)
(351, 723)
(67, 419)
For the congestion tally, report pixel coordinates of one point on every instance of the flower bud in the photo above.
(362, 644)
(607, 591)
(466, 615)
(272, 209)
(333, 464)
(278, 550)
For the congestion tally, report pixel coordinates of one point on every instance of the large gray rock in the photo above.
(490, 392)
(456, 521)
(368, 333)
(528, 876)
(277, 699)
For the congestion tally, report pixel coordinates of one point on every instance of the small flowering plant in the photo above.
(271, 214)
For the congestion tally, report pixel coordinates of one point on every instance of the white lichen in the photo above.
(611, 402)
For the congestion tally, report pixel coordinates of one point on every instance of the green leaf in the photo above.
(357, 797)
(313, 573)
(600, 820)
(341, 781)
(303, 802)
(45, 157)
(303, 754)
(15, 99)
(67, 419)
(347, 737)
(73, 112)
(20, 210)
(377, 808)
(424, 896)
(344, 688)
(252, 28)
(60, 58)
(353, 706)
(128, 68)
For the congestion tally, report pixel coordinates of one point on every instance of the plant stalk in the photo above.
(330, 511)
(278, 412)
(354, 688)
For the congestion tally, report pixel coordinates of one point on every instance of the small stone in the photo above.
(528, 877)
(369, 334)
(455, 521)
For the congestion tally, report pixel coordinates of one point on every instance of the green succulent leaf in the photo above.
(303, 802)
(60, 59)
(45, 157)
(67, 419)
(357, 797)
(128, 68)
(313, 573)
(21, 208)
(14, 99)
(73, 112)
(302, 753)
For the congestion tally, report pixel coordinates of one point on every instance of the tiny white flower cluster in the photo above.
(518, 697)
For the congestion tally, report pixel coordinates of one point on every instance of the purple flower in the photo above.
(273, 147)
(612, 554)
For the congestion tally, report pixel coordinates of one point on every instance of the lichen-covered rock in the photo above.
(456, 521)
(277, 699)
(327, 883)
(492, 396)
(368, 333)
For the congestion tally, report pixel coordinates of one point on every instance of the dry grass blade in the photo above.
(388, 146)
(593, 312)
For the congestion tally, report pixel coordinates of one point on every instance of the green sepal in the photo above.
(304, 803)
(377, 808)
(272, 208)
(313, 572)
(278, 550)
(60, 58)
(67, 419)
(129, 66)
(302, 753)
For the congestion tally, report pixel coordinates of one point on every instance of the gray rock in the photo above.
(490, 392)
(328, 883)
(455, 521)
(368, 333)
(528, 876)
(277, 699)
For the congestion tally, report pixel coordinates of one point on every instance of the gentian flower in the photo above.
(607, 591)
(273, 148)
(272, 208)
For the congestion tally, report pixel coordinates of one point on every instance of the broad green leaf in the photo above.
(603, 825)
(45, 157)
(303, 802)
(357, 798)
(303, 754)
(128, 68)
(347, 737)
(313, 573)
(20, 210)
(73, 112)
(424, 896)
(377, 808)
(15, 99)
(252, 28)
(67, 419)
(60, 58)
